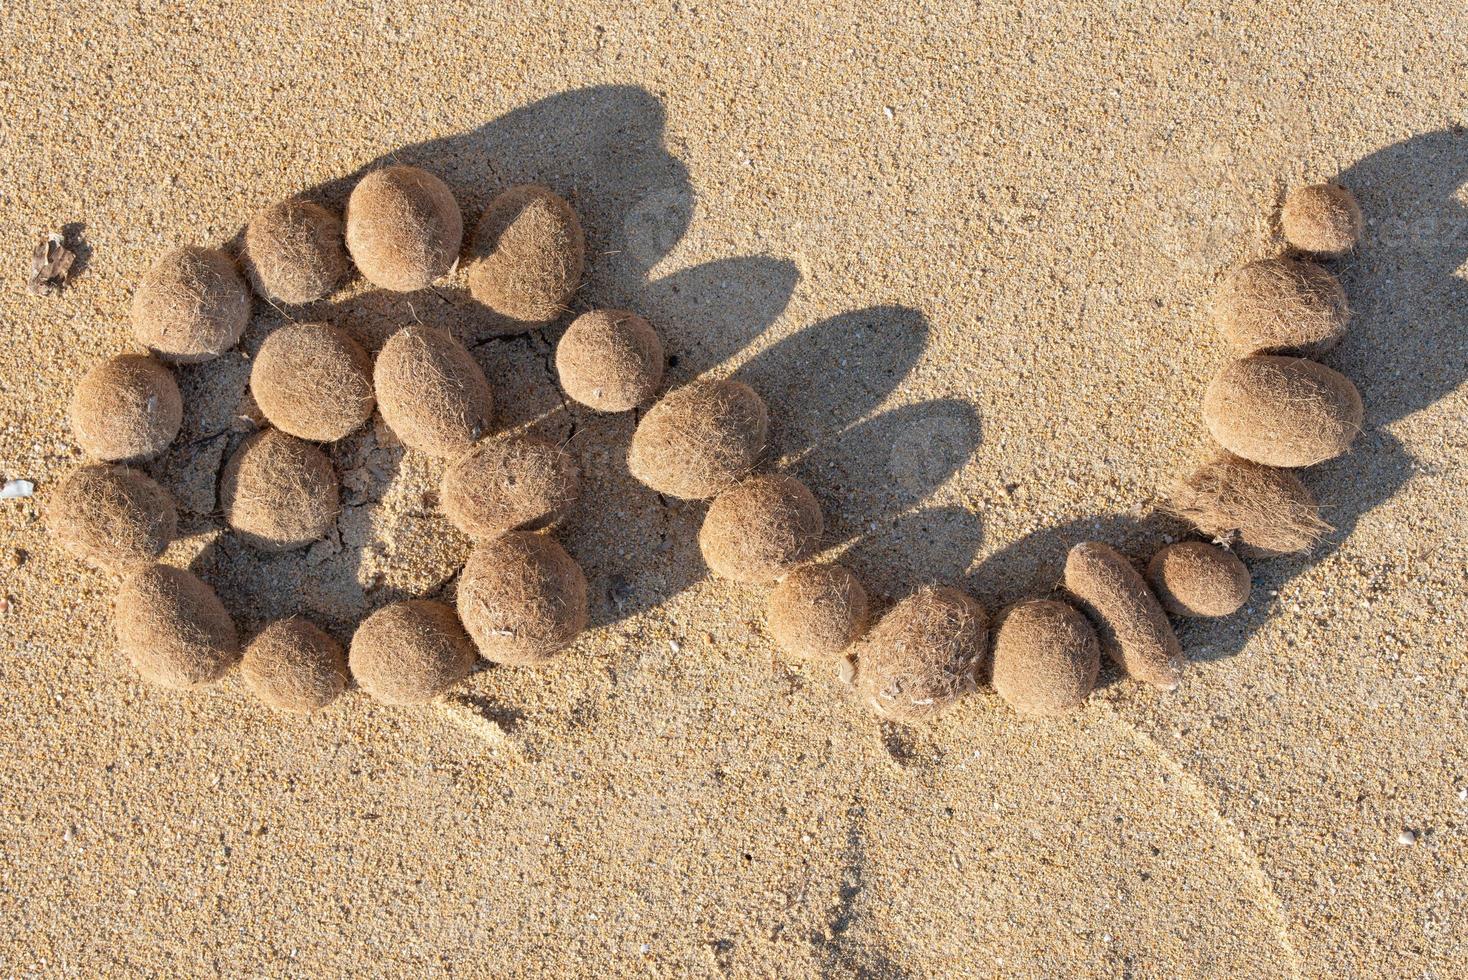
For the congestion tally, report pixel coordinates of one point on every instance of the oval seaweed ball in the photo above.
(761, 528)
(817, 611)
(431, 392)
(111, 517)
(410, 652)
(126, 409)
(1282, 411)
(174, 629)
(1046, 657)
(522, 598)
(191, 306)
(403, 228)
(923, 655)
(609, 360)
(294, 665)
(508, 483)
(294, 252)
(528, 256)
(313, 381)
(1322, 219)
(1134, 629)
(1196, 579)
(699, 439)
(1281, 304)
(278, 492)
(1267, 511)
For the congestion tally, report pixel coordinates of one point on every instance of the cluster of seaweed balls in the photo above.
(521, 599)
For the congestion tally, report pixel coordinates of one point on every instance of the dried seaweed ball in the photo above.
(174, 629)
(410, 652)
(293, 665)
(699, 439)
(609, 360)
(923, 655)
(759, 529)
(1046, 657)
(279, 492)
(1281, 304)
(526, 258)
(1282, 411)
(522, 598)
(431, 392)
(1323, 219)
(403, 228)
(126, 409)
(1197, 579)
(294, 252)
(508, 483)
(191, 306)
(1265, 511)
(817, 611)
(111, 517)
(1134, 629)
(313, 381)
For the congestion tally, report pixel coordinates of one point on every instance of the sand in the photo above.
(966, 257)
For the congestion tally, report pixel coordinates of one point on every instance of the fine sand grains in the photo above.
(112, 517)
(1046, 657)
(191, 306)
(761, 528)
(1282, 411)
(174, 629)
(126, 409)
(1133, 628)
(699, 439)
(431, 392)
(923, 655)
(1266, 510)
(403, 228)
(410, 652)
(522, 598)
(817, 611)
(294, 252)
(313, 381)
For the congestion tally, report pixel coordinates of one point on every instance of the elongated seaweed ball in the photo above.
(1321, 218)
(1282, 411)
(279, 492)
(513, 482)
(410, 652)
(699, 439)
(609, 360)
(313, 381)
(1196, 579)
(403, 228)
(1281, 304)
(293, 665)
(1267, 511)
(528, 256)
(126, 409)
(1046, 657)
(1134, 629)
(431, 392)
(191, 306)
(174, 629)
(111, 517)
(759, 529)
(522, 598)
(294, 252)
(923, 655)
(817, 611)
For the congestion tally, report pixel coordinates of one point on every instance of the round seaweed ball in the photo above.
(431, 392)
(759, 529)
(1282, 304)
(294, 252)
(817, 611)
(1134, 629)
(111, 517)
(294, 665)
(699, 439)
(1322, 219)
(403, 228)
(609, 360)
(126, 409)
(191, 306)
(923, 655)
(279, 492)
(1266, 511)
(1046, 657)
(174, 629)
(528, 254)
(1282, 411)
(522, 598)
(313, 381)
(514, 482)
(410, 652)
(1196, 579)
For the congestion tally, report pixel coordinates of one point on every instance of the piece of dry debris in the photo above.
(50, 263)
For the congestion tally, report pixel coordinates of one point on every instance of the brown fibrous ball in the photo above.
(294, 252)
(1046, 657)
(923, 655)
(431, 392)
(1323, 219)
(757, 530)
(527, 258)
(126, 409)
(1264, 510)
(313, 381)
(1197, 579)
(1282, 411)
(1282, 304)
(279, 492)
(507, 483)
(403, 228)
(191, 306)
(817, 611)
(174, 629)
(410, 652)
(294, 665)
(609, 360)
(699, 439)
(114, 518)
(1134, 629)
(522, 598)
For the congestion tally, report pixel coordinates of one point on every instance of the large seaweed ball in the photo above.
(609, 360)
(1046, 657)
(1281, 304)
(294, 252)
(410, 652)
(817, 611)
(1323, 219)
(522, 598)
(1282, 411)
(313, 381)
(527, 257)
(1266, 511)
(431, 392)
(279, 492)
(759, 529)
(294, 665)
(508, 483)
(404, 228)
(191, 306)
(699, 439)
(1134, 629)
(126, 409)
(174, 629)
(111, 517)
(1197, 579)
(923, 655)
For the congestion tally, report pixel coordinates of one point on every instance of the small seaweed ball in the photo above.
(404, 228)
(191, 306)
(293, 665)
(1321, 218)
(817, 611)
(522, 598)
(1266, 511)
(410, 652)
(1196, 579)
(923, 655)
(111, 517)
(174, 629)
(699, 439)
(1046, 657)
(126, 409)
(294, 253)
(278, 492)
(528, 255)
(761, 528)
(1282, 411)
(431, 392)
(610, 360)
(514, 482)
(1134, 629)
(1281, 304)
(313, 381)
